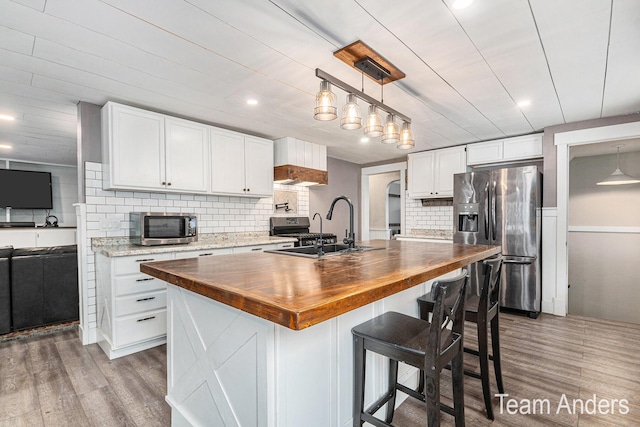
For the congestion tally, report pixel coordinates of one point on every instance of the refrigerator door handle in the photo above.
(493, 212)
(519, 260)
(486, 213)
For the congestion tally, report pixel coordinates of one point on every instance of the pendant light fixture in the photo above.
(373, 127)
(391, 132)
(351, 116)
(617, 177)
(364, 59)
(325, 103)
(407, 140)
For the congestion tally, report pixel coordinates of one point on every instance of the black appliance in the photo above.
(298, 227)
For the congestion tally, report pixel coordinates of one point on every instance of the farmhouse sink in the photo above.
(329, 250)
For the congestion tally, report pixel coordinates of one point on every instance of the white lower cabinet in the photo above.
(132, 306)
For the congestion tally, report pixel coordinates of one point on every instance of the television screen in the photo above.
(25, 189)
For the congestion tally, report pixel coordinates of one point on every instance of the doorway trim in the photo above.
(364, 195)
(563, 142)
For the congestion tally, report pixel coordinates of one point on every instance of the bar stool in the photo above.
(427, 346)
(481, 310)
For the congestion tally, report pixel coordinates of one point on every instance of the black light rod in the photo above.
(350, 89)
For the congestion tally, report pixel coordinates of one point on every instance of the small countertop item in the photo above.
(120, 246)
(300, 292)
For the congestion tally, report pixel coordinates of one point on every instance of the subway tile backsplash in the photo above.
(432, 215)
(216, 214)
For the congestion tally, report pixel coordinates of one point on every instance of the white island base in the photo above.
(230, 368)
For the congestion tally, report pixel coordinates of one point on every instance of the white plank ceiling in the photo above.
(467, 70)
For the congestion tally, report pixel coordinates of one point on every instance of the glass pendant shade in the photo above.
(391, 132)
(351, 115)
(325, 103)
(373, 126)
(407, 140)
(618, 177)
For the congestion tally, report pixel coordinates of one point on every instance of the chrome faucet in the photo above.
(350, 236)
(320, 248)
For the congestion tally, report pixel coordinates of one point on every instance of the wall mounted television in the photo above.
(25, 189)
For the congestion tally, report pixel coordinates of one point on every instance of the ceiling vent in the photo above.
(299, 162)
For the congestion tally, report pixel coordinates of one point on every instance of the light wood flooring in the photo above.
(54, 381)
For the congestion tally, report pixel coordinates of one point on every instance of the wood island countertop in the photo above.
(299, 292)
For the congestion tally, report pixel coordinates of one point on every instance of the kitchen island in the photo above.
(265, 339)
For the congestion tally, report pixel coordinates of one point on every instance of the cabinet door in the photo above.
(187, 155)
(135, 154)
(523, 147)
(421, 175)
(447, 163)
(227, 162)
(258, 157)
(485, 152)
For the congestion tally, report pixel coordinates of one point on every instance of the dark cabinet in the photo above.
(44, 286)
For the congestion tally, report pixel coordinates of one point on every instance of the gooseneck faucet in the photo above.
(321, 247)
(350, 236)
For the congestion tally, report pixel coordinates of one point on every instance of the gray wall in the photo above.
(549, 192)
(89, 141)
(344, 180)
(603, 267)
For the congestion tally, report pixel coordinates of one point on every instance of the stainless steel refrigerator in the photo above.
(503, 207)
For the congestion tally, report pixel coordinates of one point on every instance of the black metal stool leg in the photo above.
(495, 344)
(359, 366)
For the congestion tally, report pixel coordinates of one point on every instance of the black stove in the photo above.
(298, 227)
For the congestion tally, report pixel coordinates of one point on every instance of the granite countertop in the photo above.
(428, 234)
(298, 292)
(120, 246)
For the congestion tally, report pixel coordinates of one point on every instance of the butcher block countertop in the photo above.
(299, 292)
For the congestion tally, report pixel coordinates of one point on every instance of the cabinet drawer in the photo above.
(141, 302)
(136, 283)
(131, 264)
(142, 327)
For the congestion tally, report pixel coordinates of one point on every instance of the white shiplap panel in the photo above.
(622, 87)
(575, 38)
(13, 40)
(504, 32)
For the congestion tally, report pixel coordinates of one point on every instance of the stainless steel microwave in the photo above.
(159, 228)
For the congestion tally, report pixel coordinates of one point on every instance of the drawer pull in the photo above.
(256, 249)
(146, 279)
(146, 318)
(145, 299)
(145, 260)
(206, 254)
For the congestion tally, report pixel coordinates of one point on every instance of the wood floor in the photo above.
(54, 381)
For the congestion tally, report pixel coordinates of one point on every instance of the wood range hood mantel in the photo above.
(292, 174)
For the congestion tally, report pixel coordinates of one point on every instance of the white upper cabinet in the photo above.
(132, 149)
(148, 151)
(241, 165)
(431, 172)
(187, 155)
(505, 150)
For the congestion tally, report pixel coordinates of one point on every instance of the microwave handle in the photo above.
(186, 225)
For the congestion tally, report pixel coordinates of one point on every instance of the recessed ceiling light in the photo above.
(5, 117)
(364, 139)
(252, 101)
(461, 4)
(6, 146)
(524, 103)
